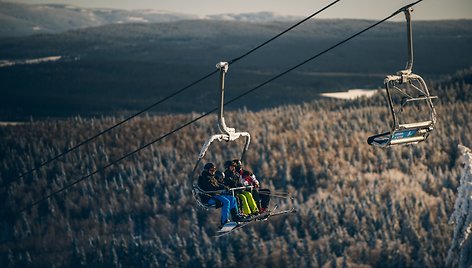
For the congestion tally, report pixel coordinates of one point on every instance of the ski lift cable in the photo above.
(325, 51)
(105, 131)
(163, 99)
(213, 110)
(282, 33)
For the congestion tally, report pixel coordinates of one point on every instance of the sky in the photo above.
(358, 9)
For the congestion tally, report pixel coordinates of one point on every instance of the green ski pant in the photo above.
(249, 206)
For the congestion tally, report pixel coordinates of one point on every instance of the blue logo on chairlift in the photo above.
(404, 134)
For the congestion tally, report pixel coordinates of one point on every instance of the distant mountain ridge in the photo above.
(120, 67)
(25, 19)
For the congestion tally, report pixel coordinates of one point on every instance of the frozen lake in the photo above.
(351, 94)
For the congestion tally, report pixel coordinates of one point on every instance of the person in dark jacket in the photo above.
(231, 177)
(215, 192)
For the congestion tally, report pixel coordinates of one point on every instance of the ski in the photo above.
(261, 217)
(228, 227)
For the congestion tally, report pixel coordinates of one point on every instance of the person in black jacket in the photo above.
(215, 192)
(232, 179)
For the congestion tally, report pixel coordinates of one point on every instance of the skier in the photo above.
(215, 195)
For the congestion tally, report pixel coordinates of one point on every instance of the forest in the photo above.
(357, 206)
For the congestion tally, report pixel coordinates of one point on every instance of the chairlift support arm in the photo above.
(231, 133)
(223, 67)
(403, 75)
(409, 65)
(228, 134)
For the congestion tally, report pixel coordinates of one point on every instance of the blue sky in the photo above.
(360, 9)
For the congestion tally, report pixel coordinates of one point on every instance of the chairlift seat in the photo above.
(406, 134)
(407, 140)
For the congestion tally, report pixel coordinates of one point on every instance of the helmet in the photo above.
(219, 175)
(228, 163)
(237, 162)
(208, 166)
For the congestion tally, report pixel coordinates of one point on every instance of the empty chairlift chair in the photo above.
(410, 103)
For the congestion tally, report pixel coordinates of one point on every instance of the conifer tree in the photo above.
(461, 248)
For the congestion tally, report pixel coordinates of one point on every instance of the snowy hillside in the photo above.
(23, 19)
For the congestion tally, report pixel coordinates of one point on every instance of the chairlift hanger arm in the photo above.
(228, 134)
(407, 12)
(223, 67)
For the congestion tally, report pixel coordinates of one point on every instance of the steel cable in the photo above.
(6, 184)
(213, 110)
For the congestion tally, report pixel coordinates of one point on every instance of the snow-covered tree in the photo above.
(461, 248)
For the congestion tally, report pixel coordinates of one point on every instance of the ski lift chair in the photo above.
(227, 134)
(412, 90)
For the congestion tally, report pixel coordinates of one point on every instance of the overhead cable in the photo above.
(164, 99)
(214, 109)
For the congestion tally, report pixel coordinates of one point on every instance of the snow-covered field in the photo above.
(2, 124)
(351, 94)
(6, 63)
